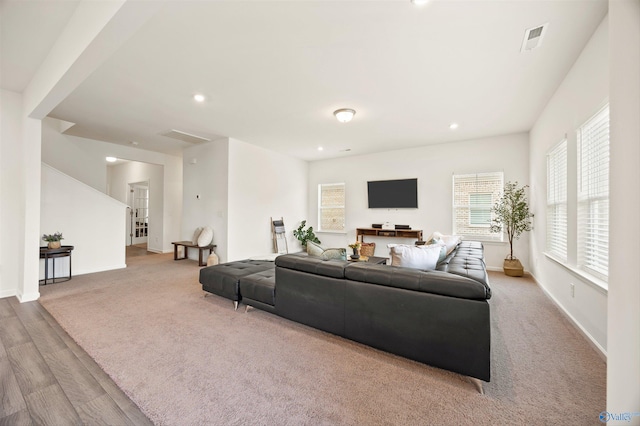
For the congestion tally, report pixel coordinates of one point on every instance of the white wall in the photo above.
(205, 177)
(434, 166)
(11, 195)
(263, 184)
(235, 188)
(84, 160)
(119, 178)
(623, 337)
(583, 92)
(73, 156)
(89, 220)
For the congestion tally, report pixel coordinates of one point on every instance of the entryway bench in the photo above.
(189, 244)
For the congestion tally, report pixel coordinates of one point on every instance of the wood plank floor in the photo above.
(47, 379)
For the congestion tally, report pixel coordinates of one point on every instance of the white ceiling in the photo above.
(274, 71)
(28, 30)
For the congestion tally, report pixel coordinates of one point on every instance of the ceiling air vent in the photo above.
(533, 38)
(185, 137)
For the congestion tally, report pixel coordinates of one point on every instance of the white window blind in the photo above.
(331, 212)
(473, 197)
(593, 195)
(480, 209)
(557, 201)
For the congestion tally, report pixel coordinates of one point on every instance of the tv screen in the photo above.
(393, 194)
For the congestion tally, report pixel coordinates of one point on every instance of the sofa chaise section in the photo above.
(224, 279)
(433, 317)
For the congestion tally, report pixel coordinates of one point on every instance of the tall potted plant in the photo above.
(512, 216)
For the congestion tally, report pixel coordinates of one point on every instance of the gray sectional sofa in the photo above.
(439, 317)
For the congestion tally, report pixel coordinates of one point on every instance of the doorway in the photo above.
(138, 223)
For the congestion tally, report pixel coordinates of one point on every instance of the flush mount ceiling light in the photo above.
(344, 115)
(198, 97)
(453, 126)
(111, 159)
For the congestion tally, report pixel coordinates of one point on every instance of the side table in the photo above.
(46, 253)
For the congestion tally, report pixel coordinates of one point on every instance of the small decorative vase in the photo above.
(513, 268)
(54, 244)
(355, 255)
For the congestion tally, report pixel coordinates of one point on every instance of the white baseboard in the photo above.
(601, 351)
(7, 293)
(28, 297)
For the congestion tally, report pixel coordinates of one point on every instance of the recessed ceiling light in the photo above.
(453, 126)
(133, 142)
(344, 115)
(419, 2)
(198, 97)
(111, 159)
(320, 148)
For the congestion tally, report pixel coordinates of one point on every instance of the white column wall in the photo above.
(434, 166)
(11, 193)
(28, 287)
(623, 337)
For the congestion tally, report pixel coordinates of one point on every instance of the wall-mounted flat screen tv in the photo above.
(393, 194)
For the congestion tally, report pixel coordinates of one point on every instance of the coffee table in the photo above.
(370, 259)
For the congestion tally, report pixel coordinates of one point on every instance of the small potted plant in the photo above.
(512, 216)
(304, 235)
(356, 250)
(53, 240)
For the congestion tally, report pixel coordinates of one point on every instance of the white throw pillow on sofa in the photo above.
(418, 257)
(451, 241)
(206, 236)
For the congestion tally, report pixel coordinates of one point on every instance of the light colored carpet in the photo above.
(189, 360)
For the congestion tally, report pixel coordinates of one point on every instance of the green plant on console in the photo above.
(512, 214)
(304, 235)
(53, 237)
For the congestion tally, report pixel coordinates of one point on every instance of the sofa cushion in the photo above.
(223, 279)
(469, 267)
(413, 279)
(470, 249)
(314, 265)
(260, 286)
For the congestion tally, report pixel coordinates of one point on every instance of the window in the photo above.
(331, 215)
(557, 201)
(593, 195)
(480, 209)
(473, 197)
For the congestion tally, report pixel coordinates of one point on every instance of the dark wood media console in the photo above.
(391, 233)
